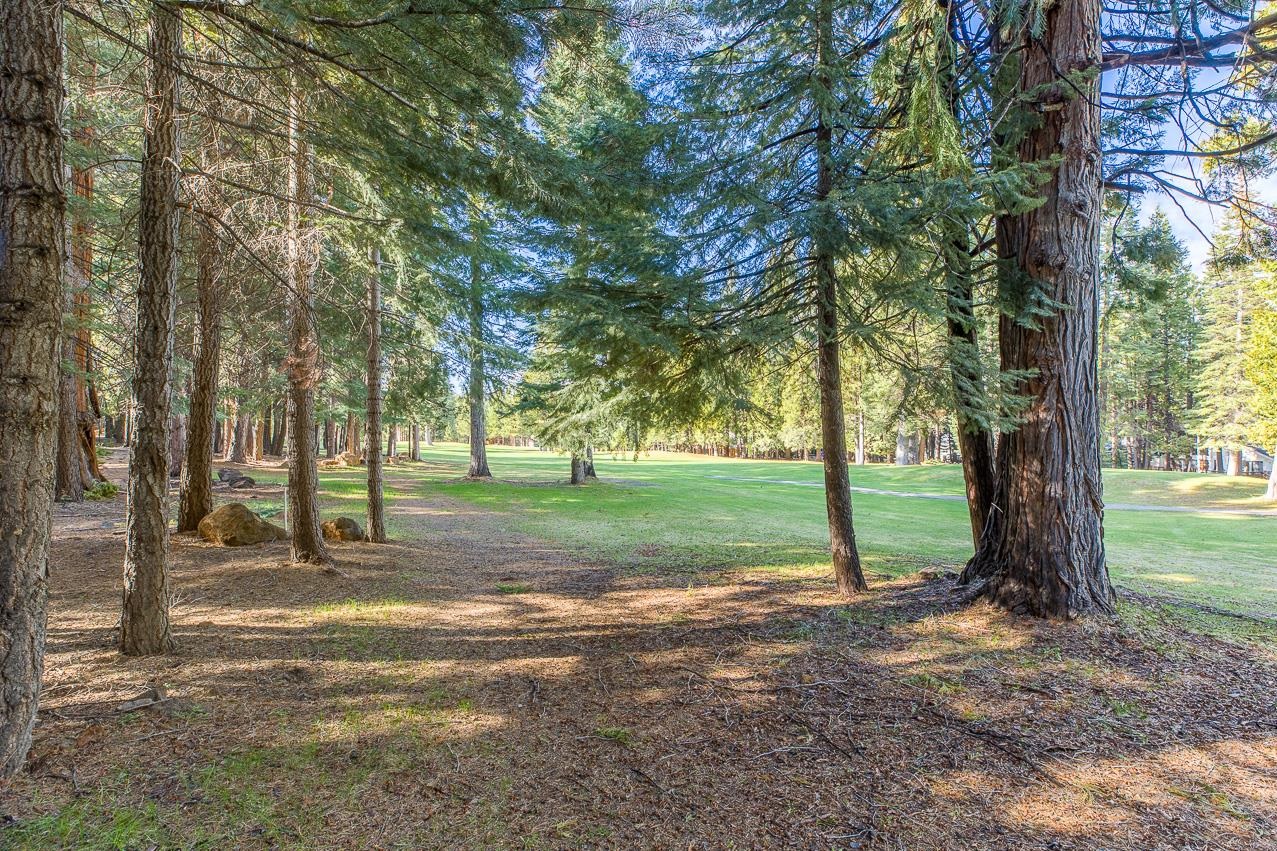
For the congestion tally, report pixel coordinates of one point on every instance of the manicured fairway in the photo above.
(669, 511)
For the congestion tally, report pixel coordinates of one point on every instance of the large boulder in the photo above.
(234, 525)
(342, 529)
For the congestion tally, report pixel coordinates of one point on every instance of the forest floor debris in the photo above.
(419, 702)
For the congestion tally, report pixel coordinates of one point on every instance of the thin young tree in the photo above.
(376, 530)
(302, 363)
(144, 626)
(32, 240)
(196, 492)
(477, 383)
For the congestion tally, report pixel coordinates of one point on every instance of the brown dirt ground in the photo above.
(470, 687)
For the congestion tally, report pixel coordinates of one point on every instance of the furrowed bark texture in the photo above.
(32, 240)
(1046, 557)
(302, 364)
(833, 428)
(376, 531)
(196, 499)
(144, 626)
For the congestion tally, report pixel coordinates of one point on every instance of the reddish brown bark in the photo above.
(1043, 552)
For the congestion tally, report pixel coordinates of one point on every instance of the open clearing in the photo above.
(655, 661)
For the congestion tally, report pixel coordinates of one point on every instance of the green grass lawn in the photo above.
(672, 512)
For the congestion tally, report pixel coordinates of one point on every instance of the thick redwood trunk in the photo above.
(1046, 556)
(376, 506)
(302, 365)
(196, 495)
(833, 429)
(144, 626)
(32, 235)
(352, 437)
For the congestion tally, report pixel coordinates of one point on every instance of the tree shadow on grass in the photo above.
(492, 691)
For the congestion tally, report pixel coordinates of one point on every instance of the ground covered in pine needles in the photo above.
(469, 687)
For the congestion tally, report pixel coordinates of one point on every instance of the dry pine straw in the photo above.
(472, 688)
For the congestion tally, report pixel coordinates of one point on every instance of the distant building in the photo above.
(1255, 461)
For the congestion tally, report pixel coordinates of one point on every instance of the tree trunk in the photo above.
(1046, 555)
(428, 437)
(196, 493)
(32, 240)
(578, 469)
(239, 440)
(589, 462)
(228, 429)
(902, 445)
(1271, 493)
(250, 437)
(842, 535)
(330, 438)
(860, 434)
(1234, 459)
(478, 423)
(352, 439)
(68, 479)
(376, 504)
(68, 483)
(414, 446)
(144, 627)
(975, 442)
(279, 421)
(88, 412)
(176, 445)
(392, 441)
(302, 364)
